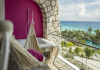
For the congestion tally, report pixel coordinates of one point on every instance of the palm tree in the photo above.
(97, 32)
(88, 52)
(90, 30)
(93, 53)
(78, 50)
(65, 30)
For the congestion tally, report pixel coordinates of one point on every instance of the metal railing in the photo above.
(84, 56)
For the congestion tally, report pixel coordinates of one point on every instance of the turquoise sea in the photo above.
(81, 25)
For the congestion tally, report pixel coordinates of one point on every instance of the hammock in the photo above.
(20, 54)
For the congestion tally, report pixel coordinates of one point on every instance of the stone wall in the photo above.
(2, 14)
(50, 13)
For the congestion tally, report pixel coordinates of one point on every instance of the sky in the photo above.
(79, 10)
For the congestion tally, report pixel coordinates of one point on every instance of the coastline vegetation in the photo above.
(83, 36)
(80, 36)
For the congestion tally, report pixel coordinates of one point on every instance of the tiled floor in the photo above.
(58, 65)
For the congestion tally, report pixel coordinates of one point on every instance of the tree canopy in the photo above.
(90, 30)
(88, 52)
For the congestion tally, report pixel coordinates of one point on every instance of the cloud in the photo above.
(93, 14)
(95, 3)
(78, 12)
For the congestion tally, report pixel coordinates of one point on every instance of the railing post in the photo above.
(6, 30)
(4, 51)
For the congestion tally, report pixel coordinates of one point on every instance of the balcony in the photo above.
(58, 65)
(76, 57)
(82, 55)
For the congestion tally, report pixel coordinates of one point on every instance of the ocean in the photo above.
(81, 25)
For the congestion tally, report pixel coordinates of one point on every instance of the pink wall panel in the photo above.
(17, 12)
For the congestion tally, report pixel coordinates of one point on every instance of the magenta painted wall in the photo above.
(16, 11)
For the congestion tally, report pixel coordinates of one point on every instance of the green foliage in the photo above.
(69, 56)
(88, 52)
(98, 42)
(97, 32)
(64, 49)
(77, 50)
(98, 51)
(93, 38)
(79, 38)
(69, 44)
(89, 30)
(82, 55)
(63, 43)
(93, 52)
(70, 50)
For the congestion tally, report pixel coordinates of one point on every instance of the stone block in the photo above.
(41, 6)
(53, 18)
(56, 8)
(45, 36)
(44, 5)
(44, 30)
(47, 14)
(57, 3)
(56, 0)
(52, 2)
(46, 10)
(42, 10)
(52, 7)
(57, 18)
(51, 12)
(42, 1)
(49, 19)
(44, 15)
(55, 24)
(44, 24)
(49, 24)
(49, 8)
(44, 20)
(2, 14)
(47, 3)
(55, 13)
(37, 1)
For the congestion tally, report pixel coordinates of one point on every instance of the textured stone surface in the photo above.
(49, 19)
(47, 3)
(52, 2)
(44, 15)
(47, 15)
(51, 12)
(44, 5)
(44, 24)
(42, 1)
(46, 9)
(49, 8)
(2, 14)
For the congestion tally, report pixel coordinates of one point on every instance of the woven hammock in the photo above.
(20, 54)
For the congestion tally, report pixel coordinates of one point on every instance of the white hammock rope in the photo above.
(20, 54)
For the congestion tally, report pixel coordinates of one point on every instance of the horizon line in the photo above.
(83, 21)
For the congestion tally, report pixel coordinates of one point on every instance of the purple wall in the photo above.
(16, 11)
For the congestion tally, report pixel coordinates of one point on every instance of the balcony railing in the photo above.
(82, 55)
